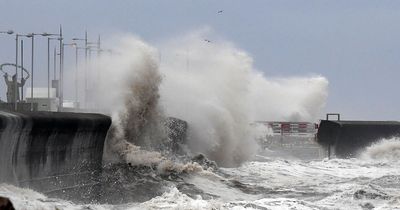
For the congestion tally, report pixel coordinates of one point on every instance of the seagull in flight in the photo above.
(207, 40)
(220, 11)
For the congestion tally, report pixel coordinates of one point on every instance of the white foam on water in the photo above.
(294, 184)
(27, 199)
(383, 150)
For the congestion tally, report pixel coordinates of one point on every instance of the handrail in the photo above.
(333, 114)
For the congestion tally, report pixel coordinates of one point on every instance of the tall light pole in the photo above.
(22, 69)
(96, 74)
(60, 85)
(16, 69)
(55, 63)
(86, 65)
(48, 64)
(32, 36)
(76, 56)
(77, 69)
(9, 32)
(76, 74)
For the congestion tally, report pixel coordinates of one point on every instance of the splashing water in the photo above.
(133, 103)
(384, 150)
(214, 87)
(217, 90)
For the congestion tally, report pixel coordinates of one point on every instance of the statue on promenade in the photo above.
(13, 86)
(12, 93)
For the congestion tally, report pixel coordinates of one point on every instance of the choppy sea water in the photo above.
(371, 181)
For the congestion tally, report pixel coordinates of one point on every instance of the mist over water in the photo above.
(211, 85)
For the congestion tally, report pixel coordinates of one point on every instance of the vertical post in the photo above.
(76, 74)
(281, 135)
(90, 73)
(62, 74)
(97, 69)
(32, 59)
(16, 74)
(86, 69)
(55, 63)
(98, 61)
(48, 70)
(59, 82)
(22, 69)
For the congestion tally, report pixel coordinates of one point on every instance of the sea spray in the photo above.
(287, 99)
(213, 86)
(138, 133)
(206, 84)
(130, 93)
(383, 150)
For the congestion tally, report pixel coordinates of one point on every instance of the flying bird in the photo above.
(220, 11)
(207, 40)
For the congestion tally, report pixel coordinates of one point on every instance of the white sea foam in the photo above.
(383, 150)
(279, 184)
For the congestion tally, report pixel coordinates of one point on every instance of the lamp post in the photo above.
(48, 64)
(9, 32)
(32, 36)
(96, 74)
(86, 63)
(88, 46)
(76, 57)
(77, 70)
(16, 68)
(55, 63)
(22, 69)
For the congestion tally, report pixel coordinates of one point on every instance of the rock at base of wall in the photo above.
(5, 204)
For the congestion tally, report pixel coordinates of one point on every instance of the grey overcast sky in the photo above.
(354, 44)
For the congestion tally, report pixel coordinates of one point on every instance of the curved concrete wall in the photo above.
(51, 151)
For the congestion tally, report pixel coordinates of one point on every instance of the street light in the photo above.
(88, 46)
(76, 69)
(16, 69)
(48, 64)
(86, 63)
(9, 32)
(32, 36)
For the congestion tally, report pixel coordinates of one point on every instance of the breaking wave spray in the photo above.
(211, 85)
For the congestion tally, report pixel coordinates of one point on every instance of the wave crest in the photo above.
(385, 149)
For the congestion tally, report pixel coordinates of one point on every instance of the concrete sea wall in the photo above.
(51, 151)
(347, 138)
